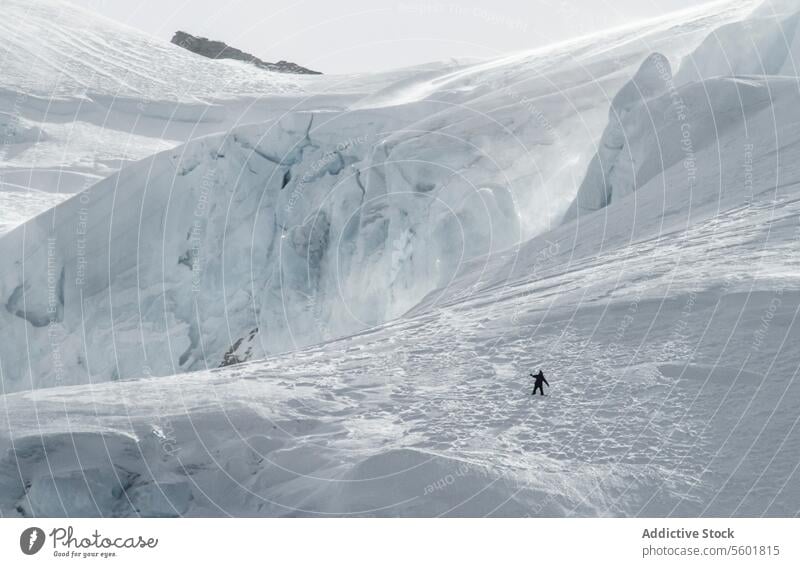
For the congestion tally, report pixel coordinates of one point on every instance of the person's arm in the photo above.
(545, 381)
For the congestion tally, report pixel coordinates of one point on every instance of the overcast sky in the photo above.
(342, 36)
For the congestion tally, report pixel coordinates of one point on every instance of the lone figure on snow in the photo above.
(538, 385)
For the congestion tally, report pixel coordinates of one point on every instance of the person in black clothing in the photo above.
(538, 385)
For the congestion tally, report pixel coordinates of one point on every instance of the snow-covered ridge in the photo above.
(54, 49)
(82, 96)
(657, 119)
(767, 43)
(672, 396)
(309, 226)
(666, 319)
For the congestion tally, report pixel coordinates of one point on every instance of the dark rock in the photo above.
(220, 50)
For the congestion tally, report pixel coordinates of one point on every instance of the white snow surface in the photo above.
(390, 270)
(314, 224)
(82, 96)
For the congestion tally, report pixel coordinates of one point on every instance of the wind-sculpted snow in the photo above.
(310, 226)
(82, 97)
(172, 260)
(765, 45)
(348, 301)
(678, 403)
(55, 49)
(255, 242)
(611, 173)
(676, 126)
(726, 83)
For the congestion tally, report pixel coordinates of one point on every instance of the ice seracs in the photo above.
(731, 79)
(765, 44)
(82, 96)
(612, 171)
(308, 226)
(224, 328)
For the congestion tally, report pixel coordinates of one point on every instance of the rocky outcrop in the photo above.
(220, 50)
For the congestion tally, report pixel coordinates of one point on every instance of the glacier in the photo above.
(310, 226)
(328, 303)
(84, 98)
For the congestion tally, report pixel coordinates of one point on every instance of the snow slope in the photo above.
(408, 257)
(673, 394)
(82, 96)
(314, 224)
(658, 120)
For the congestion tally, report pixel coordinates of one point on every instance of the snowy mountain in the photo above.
(82, 96)
(313, 225)
(390, 261)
